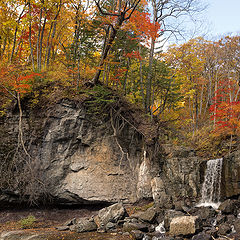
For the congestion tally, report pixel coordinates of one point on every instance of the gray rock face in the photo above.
(180, 177)
(231, 175)
(79, 159)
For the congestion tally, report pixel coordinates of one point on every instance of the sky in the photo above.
(223, 16)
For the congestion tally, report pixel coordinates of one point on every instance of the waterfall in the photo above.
(211, 188)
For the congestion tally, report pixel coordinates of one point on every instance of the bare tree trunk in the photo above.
(149, 77)
(38, 38)
(141, 78)
(4, 47)
(30, 35)
(107, 73)
(53, 33)
(15, 34)
(41, 43)
(215, 106)
(78, 74)
(125, 77)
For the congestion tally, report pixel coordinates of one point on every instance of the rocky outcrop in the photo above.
(180, 177)
(231, 175)
(78, 158)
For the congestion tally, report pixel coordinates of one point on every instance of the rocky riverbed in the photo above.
(123, 222)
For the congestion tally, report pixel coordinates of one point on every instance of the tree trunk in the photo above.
(149, 77)
(112, 36)
(41, 43)
(38, 38)
(125, 77)
(15, 34)
(30, 36)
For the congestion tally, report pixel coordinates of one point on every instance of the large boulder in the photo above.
(185, 225)
(113, 214)
(147, 216)
(84, 225)
(169, 216)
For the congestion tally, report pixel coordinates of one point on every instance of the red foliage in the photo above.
(134, 54)
(226, 111)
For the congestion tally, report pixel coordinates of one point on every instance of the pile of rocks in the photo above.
(196, 223)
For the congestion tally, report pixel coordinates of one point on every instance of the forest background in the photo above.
(65, 47)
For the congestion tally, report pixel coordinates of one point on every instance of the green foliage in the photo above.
(27, 222)
(100, 98)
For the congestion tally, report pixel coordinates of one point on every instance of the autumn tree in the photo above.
(163, 12)
(121, 13)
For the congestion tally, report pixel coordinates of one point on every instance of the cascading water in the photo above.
(211, 188)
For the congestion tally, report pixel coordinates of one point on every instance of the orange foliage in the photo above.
(141, 24)
(12, 81)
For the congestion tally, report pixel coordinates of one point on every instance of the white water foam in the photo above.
(211, 189)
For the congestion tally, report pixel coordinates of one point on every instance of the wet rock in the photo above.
(206, 215)
(147, 216)
(224, 229)
(236, 225)
(161, 237)
(220, 219)
(202, 236)
(151, 228)
(84, 225)
(181, 172)
(160, 216)
(212, 232)
(179, 205)
(137, 234)
(146, 237)
(113, 214)
(129, 219)
(231, 219)
(184, 225)
(203, 212)
(110, 226)
(228, 207)
(128, 227)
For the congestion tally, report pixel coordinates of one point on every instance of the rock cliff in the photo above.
(72, 156)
